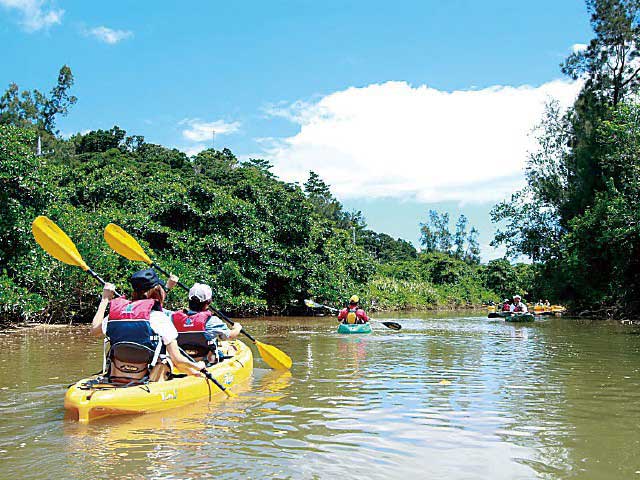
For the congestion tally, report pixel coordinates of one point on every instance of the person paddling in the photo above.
(134, 329)
(198, 329)
(518, 306)
(506, 306)
(353, 314)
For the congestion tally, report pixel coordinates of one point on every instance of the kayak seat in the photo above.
(198, 346)
(129, 362)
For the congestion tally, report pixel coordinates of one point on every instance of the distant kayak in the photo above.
(513, 317)
(354, 328)
(520, 317)
(556, 310)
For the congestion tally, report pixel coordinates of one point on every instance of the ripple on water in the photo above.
(548, 400)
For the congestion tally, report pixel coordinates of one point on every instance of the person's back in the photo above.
(137, 331)
(198, 328)
(352, 313)
(506, 306)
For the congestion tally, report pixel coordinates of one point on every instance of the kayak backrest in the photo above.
(129, 362)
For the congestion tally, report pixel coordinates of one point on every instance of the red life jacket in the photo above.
(192, 333)
(129, 322)
(190, 323)
(353, 315)
(518, 308)
(506, 307)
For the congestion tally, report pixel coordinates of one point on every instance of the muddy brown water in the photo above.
(453, 396)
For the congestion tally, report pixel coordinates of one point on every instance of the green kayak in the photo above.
(513, 317)
(354, 328)
(520, 317)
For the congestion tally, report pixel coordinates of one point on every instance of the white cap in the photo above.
(517, 296)
(200, 291)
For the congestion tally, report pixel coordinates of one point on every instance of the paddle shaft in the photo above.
(215, 310)
(207, 374)
(100, 280)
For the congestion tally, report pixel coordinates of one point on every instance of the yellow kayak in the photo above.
(556, 310)
(88, 402)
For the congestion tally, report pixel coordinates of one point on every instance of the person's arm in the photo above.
(235, 331)
(181, 362)
(215, 327)
(342, 315)
(172, 282)
(525, 309)
(363, 315)
(107, 294)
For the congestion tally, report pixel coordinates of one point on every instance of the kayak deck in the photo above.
(349, 328)
(88, 403)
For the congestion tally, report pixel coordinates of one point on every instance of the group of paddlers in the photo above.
(146, 339)
(517, 306)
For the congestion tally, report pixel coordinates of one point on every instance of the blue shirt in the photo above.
(217, 328)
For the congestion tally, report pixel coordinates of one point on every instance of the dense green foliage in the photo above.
(578, 216)
(263, 244)
(432, 280)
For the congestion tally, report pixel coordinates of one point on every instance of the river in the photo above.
(454, 396)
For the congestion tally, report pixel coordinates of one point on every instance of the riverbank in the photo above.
(17, 325)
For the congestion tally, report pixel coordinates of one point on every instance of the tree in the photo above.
(33, 108)
(609, 63)
(320, 196)
(577, 210)
(460, 236)
(473, 249)
(99, 140)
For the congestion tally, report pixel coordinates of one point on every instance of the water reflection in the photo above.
(446, 397)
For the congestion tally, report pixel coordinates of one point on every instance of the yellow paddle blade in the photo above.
(56, 243)
(274, 357)
(125, 244)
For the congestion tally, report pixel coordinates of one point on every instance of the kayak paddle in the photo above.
(128, 247)
(312, 304)
(58, 244)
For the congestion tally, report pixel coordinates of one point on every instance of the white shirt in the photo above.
(522, 305)
(160, 324)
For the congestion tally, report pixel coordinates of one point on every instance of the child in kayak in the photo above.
(137, 329)
(197, 319)
(353, 314)
(506, 306)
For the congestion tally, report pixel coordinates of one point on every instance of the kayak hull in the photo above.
(513, 317)
(91, 403)
(351, 328)
(520, 318)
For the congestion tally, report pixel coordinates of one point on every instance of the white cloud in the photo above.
(200, 131)
(109, 35)
(193, 149)
(36, 14)
(579, 47)
(395, 140)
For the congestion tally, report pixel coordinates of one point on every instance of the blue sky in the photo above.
(402, 106)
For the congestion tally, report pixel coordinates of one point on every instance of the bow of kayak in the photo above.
(87, 402)
(354, 328)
